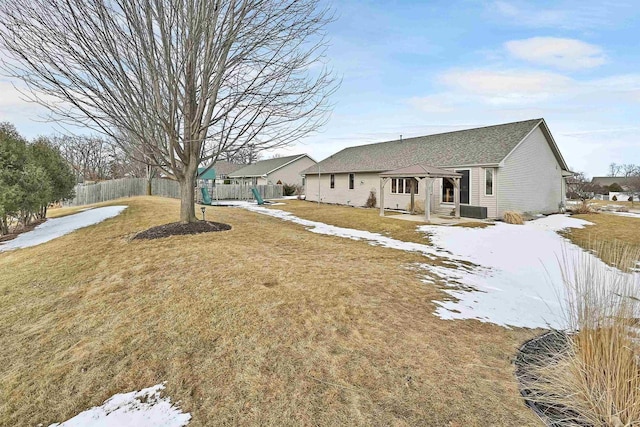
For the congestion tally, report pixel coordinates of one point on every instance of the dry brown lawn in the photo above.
(607, 227)
(361, 219)
(266, 324)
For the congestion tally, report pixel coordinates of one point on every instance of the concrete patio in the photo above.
(438, 219)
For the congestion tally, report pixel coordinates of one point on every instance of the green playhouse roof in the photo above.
(210, 174)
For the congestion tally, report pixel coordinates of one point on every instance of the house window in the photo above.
(332, 179)
(352, 179)
(488, 182)
(403, 186)
(303, 181)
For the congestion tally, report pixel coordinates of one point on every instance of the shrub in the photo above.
(289, 189)
(630, 199)
(371, 200)
(614, 198)
(598, 376)
(582, 209)
(511, 217)
(418, 207)
(615, 187)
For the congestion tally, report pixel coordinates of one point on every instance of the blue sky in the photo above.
(421, 67)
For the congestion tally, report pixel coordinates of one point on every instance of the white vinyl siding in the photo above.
(531, 178)
(290, 174)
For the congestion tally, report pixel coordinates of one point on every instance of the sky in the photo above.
(414, 68)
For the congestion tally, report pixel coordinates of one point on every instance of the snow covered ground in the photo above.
(144, 408)
(56, 227)
(521, 284)
(516, 281)
(627, 214)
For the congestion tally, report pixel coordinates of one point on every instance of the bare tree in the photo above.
(614, 169)
(91, 157)
(187, 79)
(633, 186)
(629, 170)
(245, 155)
(580, 187)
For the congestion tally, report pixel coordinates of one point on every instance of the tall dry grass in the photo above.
(511, 217)
(598, 377)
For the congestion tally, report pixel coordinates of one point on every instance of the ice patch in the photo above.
(144, 408)
(57, 227)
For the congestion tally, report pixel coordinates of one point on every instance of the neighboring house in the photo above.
(279, 170)
(626, 183)
(509, 167)
(219, 172)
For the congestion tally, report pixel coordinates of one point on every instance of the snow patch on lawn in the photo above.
(522, 282)
(504, 274)
(144, 408)
(375, 239)
(627, 214)
(57, 227)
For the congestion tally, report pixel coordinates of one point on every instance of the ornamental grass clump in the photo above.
(596, 378)
(511, 217)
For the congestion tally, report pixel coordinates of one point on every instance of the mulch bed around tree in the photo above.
(538, 352)
(178, 229)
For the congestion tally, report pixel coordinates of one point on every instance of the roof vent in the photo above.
(400, 137)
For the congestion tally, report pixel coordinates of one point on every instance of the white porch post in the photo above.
(456, 196)
(383, 182)
(427, 200)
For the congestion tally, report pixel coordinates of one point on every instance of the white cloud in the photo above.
(568, 14)
(562, 53)
(508, 86)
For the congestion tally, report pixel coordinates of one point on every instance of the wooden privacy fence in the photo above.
(125, 187)
(241, 192)
(128, 187)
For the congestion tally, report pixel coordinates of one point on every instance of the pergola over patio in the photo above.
(420, 172)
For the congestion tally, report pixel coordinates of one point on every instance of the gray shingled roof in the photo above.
(480, 146)
(263, 167)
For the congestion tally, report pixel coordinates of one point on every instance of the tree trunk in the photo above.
(187, 204)
(148, 186)
(4, 225)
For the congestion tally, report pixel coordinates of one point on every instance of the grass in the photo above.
(607, 227)
(511, 217)
(599, 376)
(266, 324)
(361, 219)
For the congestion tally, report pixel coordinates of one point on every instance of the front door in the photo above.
(464, 187)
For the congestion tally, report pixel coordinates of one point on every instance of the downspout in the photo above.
(496, 193)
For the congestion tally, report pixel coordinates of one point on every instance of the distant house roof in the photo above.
(265, 167)
(606, 181)
(220, 168)
(481, 146)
